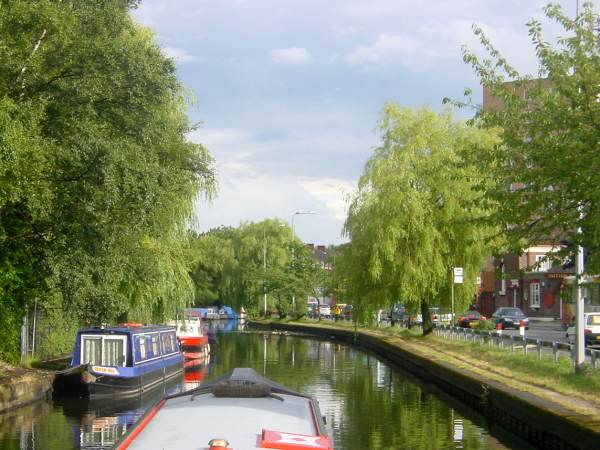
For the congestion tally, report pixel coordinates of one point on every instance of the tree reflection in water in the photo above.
(367, 404)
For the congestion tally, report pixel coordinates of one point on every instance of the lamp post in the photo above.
(297, 213)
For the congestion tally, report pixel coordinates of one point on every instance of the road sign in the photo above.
(457, 275)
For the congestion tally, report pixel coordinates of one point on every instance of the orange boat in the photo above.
(192, 340)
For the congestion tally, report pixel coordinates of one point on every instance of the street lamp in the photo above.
(297, 213)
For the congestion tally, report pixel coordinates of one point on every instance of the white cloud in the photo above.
(385, 48)
(179, 55)
(292, 55)
(332, 192)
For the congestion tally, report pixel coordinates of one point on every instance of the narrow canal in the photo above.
(367, 404)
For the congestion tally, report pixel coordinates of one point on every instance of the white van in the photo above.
(591, 329)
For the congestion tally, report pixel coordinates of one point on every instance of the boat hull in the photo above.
(87, 381)
(194, 347)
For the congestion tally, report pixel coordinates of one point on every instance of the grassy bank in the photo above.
(558, 382)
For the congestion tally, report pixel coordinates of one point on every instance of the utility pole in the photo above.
(579, 325)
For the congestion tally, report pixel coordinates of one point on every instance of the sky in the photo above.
(288, 93)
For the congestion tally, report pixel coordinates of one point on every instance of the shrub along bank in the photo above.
(544, 403)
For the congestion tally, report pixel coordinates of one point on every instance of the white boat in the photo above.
(238, 411)
(192, 340)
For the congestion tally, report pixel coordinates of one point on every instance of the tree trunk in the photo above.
(426, 316)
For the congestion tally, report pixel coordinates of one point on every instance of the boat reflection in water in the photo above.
(103, 422)
(195, 372)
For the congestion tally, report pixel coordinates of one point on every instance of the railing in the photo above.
(529, 346)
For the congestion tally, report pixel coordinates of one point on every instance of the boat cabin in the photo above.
(127, 358)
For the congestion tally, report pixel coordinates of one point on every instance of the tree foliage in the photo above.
(417, 213)
(236, 266)
(547, 170)
(97, 178)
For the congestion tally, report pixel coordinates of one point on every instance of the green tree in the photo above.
(97, 178)
(213, 267)
(417, 214)
(550, 133)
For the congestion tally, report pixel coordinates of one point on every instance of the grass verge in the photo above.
(542, 377)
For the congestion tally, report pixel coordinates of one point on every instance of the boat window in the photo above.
(169, 342)
(91, 350)
(114, 352)
(103, 350)
(155, 345)
(142, 343)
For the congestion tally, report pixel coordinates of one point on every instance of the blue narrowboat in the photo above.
(120, 361)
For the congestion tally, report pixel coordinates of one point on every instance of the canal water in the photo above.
(368, 404)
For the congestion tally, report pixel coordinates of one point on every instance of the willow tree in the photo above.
(416, 214)
(551, 132)
(97, 178)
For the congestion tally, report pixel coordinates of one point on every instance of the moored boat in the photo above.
(238, 411)
(192, 339)
(120, 361)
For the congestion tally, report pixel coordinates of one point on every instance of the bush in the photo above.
(486, 325)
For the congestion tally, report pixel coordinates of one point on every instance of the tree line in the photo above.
(97, 177)
(238, 266)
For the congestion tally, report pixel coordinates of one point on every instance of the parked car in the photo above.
(435, 315)
(470, 319)
(347, 312)
(325, 311)
(399, 313)
(510, 317)
(591, 329)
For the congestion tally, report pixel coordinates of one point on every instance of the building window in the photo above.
(534, 296)
(542, 264)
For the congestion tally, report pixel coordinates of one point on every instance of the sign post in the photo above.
(457, 278)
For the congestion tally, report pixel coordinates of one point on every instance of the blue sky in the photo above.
(288, 92)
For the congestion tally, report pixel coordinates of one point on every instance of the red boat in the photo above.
(192, 340)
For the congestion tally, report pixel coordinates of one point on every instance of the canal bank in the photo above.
(545, 418)
(21, 386)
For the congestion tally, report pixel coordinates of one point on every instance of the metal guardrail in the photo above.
(538, 347)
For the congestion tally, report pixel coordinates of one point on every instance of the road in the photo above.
(547, 331)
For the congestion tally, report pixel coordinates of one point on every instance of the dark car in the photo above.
(510, 318)
(470, 319)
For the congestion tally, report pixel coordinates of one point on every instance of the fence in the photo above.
(528, 346)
